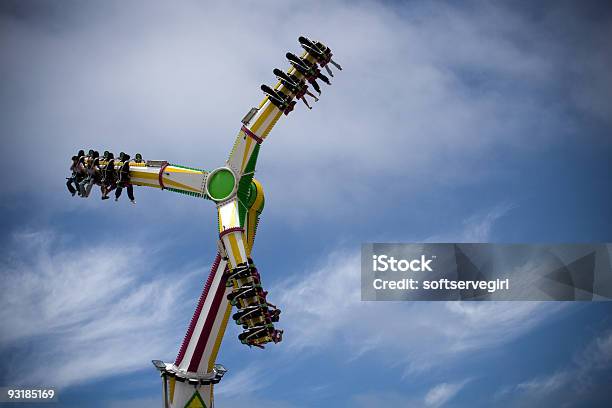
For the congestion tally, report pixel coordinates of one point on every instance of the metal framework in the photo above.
(239, 199)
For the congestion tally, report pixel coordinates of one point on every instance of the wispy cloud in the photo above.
(247, 381)
(544, 385)
(576, 384)
(597, 355)
(436, 396)
(478, 228)
(442, 393)
(89, 310)
(475, 227)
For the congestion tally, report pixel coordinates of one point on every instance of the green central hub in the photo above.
(221, 183)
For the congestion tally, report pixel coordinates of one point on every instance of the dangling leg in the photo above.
(130, 193)
(81, 186)
(70, 187)
(118, 191)
(89, 187)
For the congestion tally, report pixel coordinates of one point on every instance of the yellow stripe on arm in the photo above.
(235, 248)
(217, 345)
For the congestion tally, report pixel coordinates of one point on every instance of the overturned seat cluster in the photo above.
(305, 71)
(255, 314)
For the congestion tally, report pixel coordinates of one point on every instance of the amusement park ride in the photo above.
(239, 198)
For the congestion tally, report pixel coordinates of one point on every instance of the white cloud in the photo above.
(476, 227)
(574, 384)
(92, 311)
(580, 383)
(544, 385)
(436, 396)
(597, 355)
(246, 381)
(442, 393)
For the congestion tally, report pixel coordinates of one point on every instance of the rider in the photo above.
(81, 173)
(93, 172)
(73, 178)
(109, 177)
(124, 178)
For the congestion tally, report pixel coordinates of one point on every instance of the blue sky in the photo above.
(451, 122)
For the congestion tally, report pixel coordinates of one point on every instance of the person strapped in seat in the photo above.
(124, 178)
(94, 175)
(72, 184)
(109, 177)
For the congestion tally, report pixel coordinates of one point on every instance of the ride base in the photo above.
(188, 390)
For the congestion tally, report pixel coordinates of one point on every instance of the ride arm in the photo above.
(166, 176)
(254, 313)
(292, 84)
